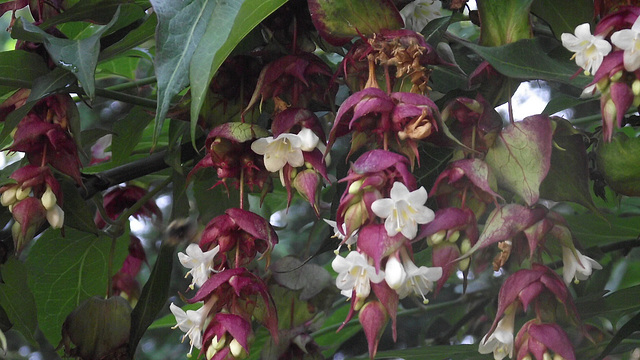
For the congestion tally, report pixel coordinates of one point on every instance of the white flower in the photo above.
(55, 217)
(349, 240)
(577, 265)
(419, 280)
(394, 273)
(500, 343)
(190, 322)
(418, 13)
(403, 211)
(355, 272)
(629, 41)
(589, 49)
(286, 148)
(200, 263)
(308, 139)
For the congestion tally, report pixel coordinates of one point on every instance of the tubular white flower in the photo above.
(629, 41)
(286, 148)
(190, 322)
(576, 265)
(403, 211)
(355, 272)
(419, 13)
(589, 49)
(419, 280)
(500, 342)
(200, 263)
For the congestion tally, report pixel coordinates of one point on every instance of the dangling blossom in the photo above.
(200, 263)
(403, 211)
(629, 41)
(576, 265)
(348, 240)
(355, 273)
(589, 49)
(190, 322)
(419, 280)
(418, 13)
(394, 273)
(500, 342)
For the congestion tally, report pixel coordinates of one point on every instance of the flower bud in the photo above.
(615, 77)
(465, 246)
(9, 196)
(557, 357)
(211, 352)
(546, 356)
(394, 273)
(635, 87)
(463, 265)
(22, 194)
(55, 217)
(236, 349)
(49, 199)
(354, 188)
(453, 237)
(437, 238)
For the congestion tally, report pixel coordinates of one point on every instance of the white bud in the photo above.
(22, 194)
(9, 196)
(211, 352)
(437, 238)
(48, 199)
(394, 273)
(355, 187)
(55, 217)
(453, 237)
(236, 348)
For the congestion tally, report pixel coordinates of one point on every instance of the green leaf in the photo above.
(438, 352)
(527, 59)
(568, 177)
(76, 213)
(154, 295)
(181, 25)
(520, 158)
(78, 56)
(100, 12)
(611, 306)
(125, 66)
(561, 102)
(213, 202)
(328, 339)
(17, 300)
(563, 15)
(127, 134)
(592, 230)
(141, 34)
(216, 44)
(63, 271)
(504, 21)
(18, 65)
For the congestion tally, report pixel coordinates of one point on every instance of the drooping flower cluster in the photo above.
(612, 55)
(44, 136)
(228, 291)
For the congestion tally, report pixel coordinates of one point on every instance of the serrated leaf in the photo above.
(76, 213)
(563, 15)
(80, 57)
(127, 133)
(521, 156)
(181, 25)
(17, 300)
(154, 295)
(527, 59)
(18, 65)
(239, 17)
(63, 271)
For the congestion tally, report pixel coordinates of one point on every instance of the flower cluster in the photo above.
(228, 291)
(44, 136)
(612, 55)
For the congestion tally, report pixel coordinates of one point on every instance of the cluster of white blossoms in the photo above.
(590, 49)
(403, 211)
(200, 265)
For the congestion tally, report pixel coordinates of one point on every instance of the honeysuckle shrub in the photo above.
(305, 179)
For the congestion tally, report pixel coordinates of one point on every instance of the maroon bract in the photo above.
(124, 282)
(474, 122)
(536, 338)
(229, 152)
(119, 198)
(29, 214)
(373, 318)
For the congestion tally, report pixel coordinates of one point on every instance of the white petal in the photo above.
(583, 31)
(383, 207)
(623, 39)
(423, 215)
(295, 158)
(274, 163)
(409, 230)
(394, 273)
(418, 197)
(391, 226)
(309, 140)
(399, 192)
(631, 60)
(260, 146)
